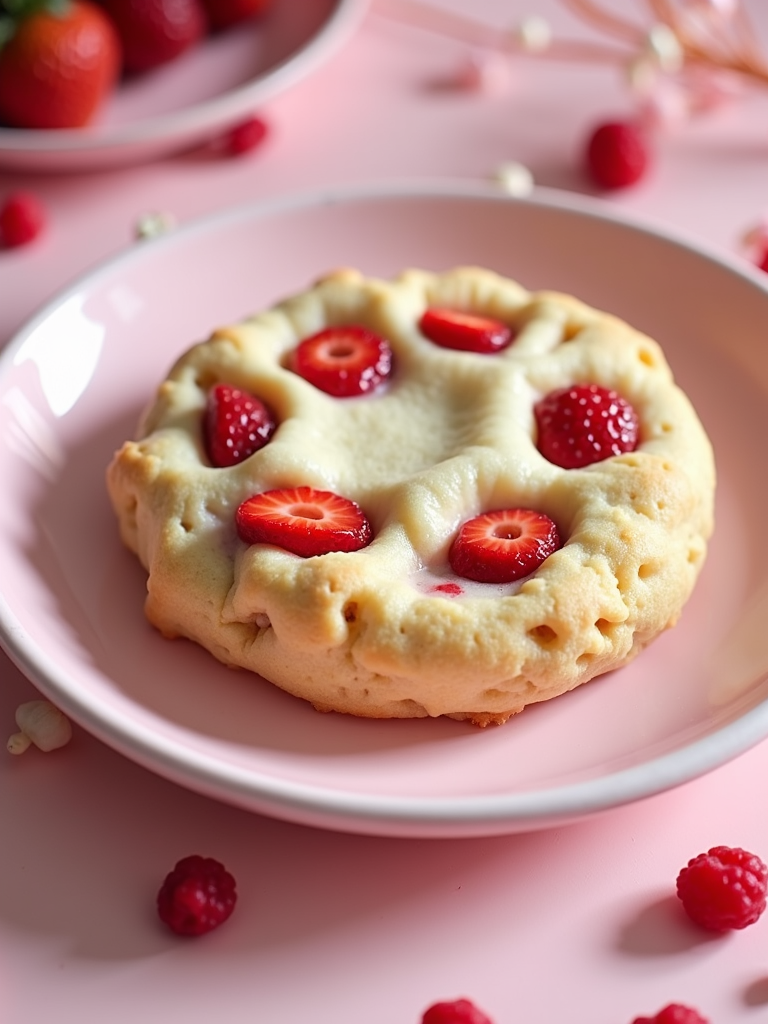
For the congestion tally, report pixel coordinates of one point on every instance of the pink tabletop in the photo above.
(577, 923)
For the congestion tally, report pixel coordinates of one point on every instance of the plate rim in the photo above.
(379, 814)
(169, 132)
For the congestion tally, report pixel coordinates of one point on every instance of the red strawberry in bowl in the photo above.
(58, 64)
(466, 332)
(154, 32)
(344, 361)
(503, 546)
(236, 425)
(225, 13)
(304, 521)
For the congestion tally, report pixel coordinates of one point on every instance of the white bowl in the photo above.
(71, 387)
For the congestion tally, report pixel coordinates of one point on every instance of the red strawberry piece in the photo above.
(22, 218)
(236, 425)
(583, 424)
(465, 331)
(58, 65)
(154, 32)
(674, 1013)
(449, 589)
(304, 521)
(499, 547)
(223, 13)
(344, 361)
(458, 1011)
(245, 136)
(197, 896)
(617, 155)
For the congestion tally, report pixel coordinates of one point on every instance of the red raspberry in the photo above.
(197, 896)
(246, 136)
(461, 1011)
(22, 218)
(675, 1013)
(617, 154)
(583, 424)
(723, 889)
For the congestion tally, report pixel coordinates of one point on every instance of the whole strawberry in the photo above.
(154, 32)
(59, 59)
(223, 13)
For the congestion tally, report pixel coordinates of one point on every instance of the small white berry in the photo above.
(515, 179)
(40, 723)
(534, 34)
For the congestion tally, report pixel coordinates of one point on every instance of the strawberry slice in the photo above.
(344, 361)
(236, 425)
(499, 547)
(304, 521)
(465, 331)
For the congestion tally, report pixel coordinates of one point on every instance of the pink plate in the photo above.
(207, 90)
(71, 387)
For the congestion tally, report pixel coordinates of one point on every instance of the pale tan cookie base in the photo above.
(452, 436)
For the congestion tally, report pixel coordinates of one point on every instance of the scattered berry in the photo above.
(197, 896)
(499, 547)
(465, 331)
(223, 13)
(675, 1013)
(762, 261)
(304, 521)
(583, 424)
(344, 361)
(22, 218)
(41, 723)
(724, 888)
(154, 32)
(617, 155)
(460, 1011)
(236, 425)
(245, 136)
(58, 65)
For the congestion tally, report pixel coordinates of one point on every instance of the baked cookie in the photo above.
(437, 495)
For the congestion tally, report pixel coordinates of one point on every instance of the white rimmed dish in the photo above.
(187, 102)
(71, 387)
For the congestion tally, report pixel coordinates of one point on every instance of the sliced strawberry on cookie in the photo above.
(236, 425)
(467, 332)
(304, 521)
(344, 361)
(583, 424)
(500, 547)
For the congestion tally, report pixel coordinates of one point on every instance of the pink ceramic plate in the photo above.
(72, 385)
(222, 81)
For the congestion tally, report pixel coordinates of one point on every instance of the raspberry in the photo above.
(461, 1011)
(675, 1013)
(197, 896)
(617, 155)
(246, 136)
(22, 218)
(583, 424)
(723, 889)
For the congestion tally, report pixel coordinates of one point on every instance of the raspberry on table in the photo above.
(617, 154)
(197, 896)
(246, 136)
(460, 1011)
(724, 888)
(22, 218)
(675, 1013)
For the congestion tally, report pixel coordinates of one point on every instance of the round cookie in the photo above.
(388, 630)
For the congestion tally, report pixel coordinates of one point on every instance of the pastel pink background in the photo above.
(572, 924)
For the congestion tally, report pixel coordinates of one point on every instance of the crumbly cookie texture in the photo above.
(452, 435)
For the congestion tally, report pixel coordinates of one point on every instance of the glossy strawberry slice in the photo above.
(499, 547)
(236, 425)
(344, 361)
(583, 424)
(465, 331)
(304, 521)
